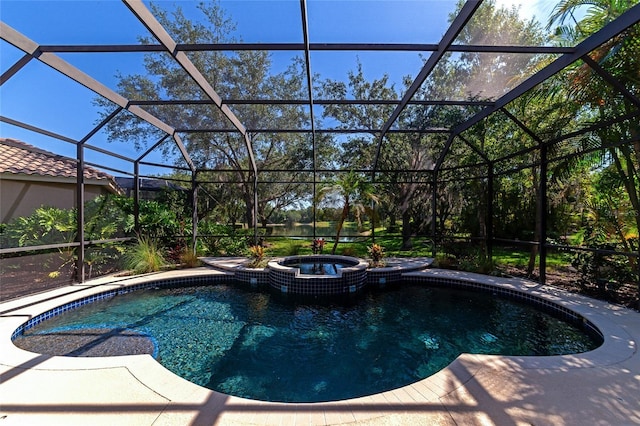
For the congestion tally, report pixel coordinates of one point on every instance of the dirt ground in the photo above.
(568, 279)
(25, 275)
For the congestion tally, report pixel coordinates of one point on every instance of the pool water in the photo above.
(271, 347)
(318, 268)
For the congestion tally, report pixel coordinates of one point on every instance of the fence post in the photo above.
(136, 196)
(194, 212)
(80, 212)
(434, 216)
(543, 215)
(489, 224)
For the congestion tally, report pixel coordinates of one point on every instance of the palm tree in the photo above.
(619, 57)
(354, 192)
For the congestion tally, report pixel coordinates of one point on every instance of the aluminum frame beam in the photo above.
(35, 129)
(155, 145)
(624, 21)
(103, 123)
(576, 133)
(145, 16)
(338, 131)
(309, 75)
(321, 47)
(306, 102)
(523, 126)
(570, 55)
(61, 138)
(17, 66)
(456, 26)
(606, 76)
(475, 149)
(30, 47)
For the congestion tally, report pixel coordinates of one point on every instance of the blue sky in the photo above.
(41, 97)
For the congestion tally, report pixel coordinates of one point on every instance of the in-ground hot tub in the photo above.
(318, 274)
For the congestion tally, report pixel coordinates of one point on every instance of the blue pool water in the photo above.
(318, 268)
(269, 347)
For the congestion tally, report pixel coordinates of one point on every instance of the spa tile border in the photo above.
(376, 277)
(287, 279)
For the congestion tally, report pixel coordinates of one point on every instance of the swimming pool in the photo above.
(258, 345)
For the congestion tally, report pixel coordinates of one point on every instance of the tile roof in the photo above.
(21, 158)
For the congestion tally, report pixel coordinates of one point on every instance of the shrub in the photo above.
(189, 258)
(376, 251)
(317, 246)
(605, 272)
(349, 251)
(293, 248)
(478, 264)
(445, 261)
(46, 225)
(144, 256)
(224, 240)
(256, 254)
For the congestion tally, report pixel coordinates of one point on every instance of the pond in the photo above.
(326, 230)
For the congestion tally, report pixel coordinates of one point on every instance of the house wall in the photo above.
(22, 197)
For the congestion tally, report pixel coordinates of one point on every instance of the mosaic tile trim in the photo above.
(171, 282)
(320, 258)
(393, 271)
(255, 277)
(530, 299)
(286, 279)
(383, 276)
(321, 285)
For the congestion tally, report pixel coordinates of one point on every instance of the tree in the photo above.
(353, 191)
(396, 188)
(490, 75)
(237, 75)
(620, 59)
(474, 76)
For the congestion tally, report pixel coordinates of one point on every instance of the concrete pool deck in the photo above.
(600, 387)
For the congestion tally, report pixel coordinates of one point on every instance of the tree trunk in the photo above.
(629, 184)
(249, 215)
(408, 192)
(406, 230)
(534, 248)
(343, 217)
(393, 226)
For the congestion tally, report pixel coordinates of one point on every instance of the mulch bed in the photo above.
(25, 275)
(28, 275)
(569, 280)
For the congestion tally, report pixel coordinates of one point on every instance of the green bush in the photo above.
(605, 272)
(216, 240)
(52, 225)
(189, 258)
(144, 256)
(46, 225)
(376, 251)
(292, 248)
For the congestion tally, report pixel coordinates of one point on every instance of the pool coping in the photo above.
(471, 388)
